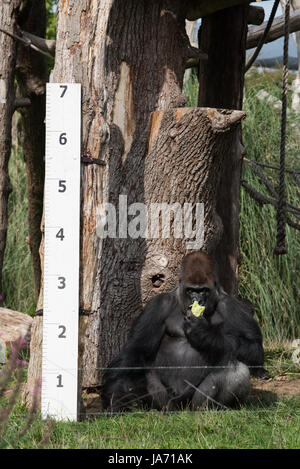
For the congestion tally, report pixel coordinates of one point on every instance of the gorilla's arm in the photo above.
(121, 386)
(148, 330)
(241, 325)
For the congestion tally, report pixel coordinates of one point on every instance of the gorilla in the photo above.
(192, 347)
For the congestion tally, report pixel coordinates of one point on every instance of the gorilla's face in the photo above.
(198, 293)
(203, 295)
(197, 283)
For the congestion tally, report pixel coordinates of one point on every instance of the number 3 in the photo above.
(62, 283)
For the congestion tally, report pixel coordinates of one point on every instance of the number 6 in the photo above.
(63, 139)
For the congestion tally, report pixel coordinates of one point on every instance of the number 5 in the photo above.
(62, 186)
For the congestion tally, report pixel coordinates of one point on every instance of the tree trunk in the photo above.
(8, 12)
(130, 58)
(32, 75)
(221, 79)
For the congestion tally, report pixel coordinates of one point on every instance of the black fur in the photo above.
(222, 343)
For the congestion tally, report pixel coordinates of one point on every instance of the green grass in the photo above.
(271, 282)
(258, 426)
(265, 421)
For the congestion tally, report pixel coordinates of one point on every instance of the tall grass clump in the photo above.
(271, 283)
(18, 283)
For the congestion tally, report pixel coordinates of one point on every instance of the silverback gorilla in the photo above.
(182, 359)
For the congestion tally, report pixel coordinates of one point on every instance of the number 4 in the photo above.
(60, 234)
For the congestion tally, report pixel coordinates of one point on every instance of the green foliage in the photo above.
(271, 282)
(191, 90)
(51, 19)
(18, 284)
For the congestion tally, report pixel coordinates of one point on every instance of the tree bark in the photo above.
(120, 52)
(221, 79)
(32, 75)
(8, 12)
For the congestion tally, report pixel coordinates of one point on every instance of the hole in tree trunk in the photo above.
(157, 280)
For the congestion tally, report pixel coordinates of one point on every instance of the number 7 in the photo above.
(65, 87)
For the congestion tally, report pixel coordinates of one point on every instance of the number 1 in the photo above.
(59, 385)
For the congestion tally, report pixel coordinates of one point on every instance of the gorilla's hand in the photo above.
(192, 323)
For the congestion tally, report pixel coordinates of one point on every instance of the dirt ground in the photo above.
(275, 387)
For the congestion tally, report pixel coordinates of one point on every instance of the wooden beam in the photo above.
(21, 102)
(255, 33)
(200, 8)
(37, 43)
(45, 45)
(276, 31)
(256, 15)
(194, 55)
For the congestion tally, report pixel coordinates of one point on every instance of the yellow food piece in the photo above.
(197, 310)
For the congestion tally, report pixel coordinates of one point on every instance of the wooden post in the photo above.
(32, 75)
(221, 79)
(8, 11)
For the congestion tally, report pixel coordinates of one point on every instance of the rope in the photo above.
(289, 207)
(262, 200)
(264, 36)
(280, 247)
(271, 166)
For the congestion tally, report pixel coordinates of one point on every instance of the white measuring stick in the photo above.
(61, 251)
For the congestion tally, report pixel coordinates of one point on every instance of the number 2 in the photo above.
(62, 334)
